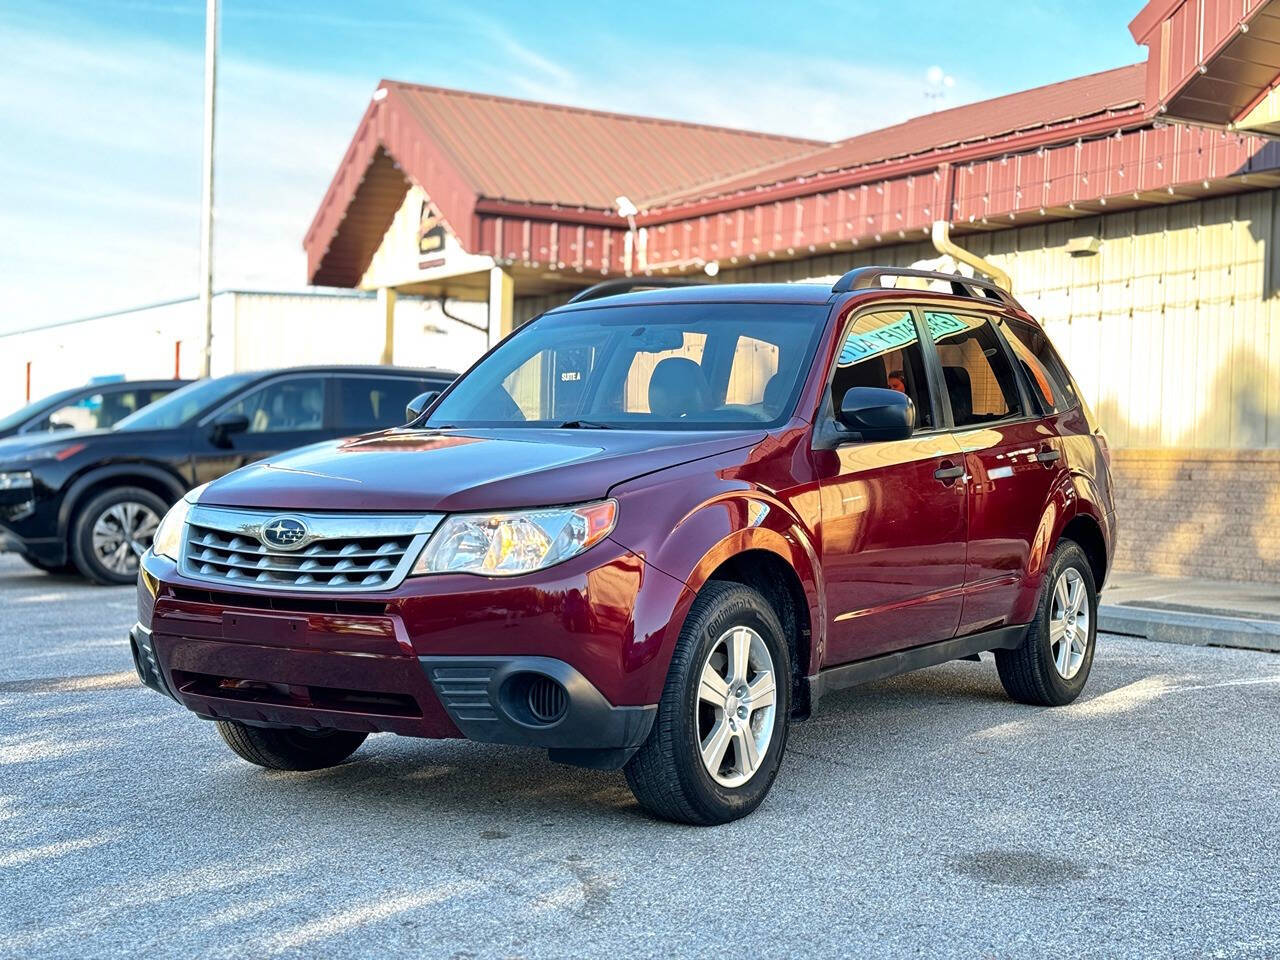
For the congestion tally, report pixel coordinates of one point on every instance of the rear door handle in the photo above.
(1049, 456)
(948, 473)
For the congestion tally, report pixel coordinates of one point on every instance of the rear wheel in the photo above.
(112, 531)
(289, 748)
(1051, 667)
(722, 722)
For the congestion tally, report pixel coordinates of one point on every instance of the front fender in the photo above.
(687, 526)
(95, 475)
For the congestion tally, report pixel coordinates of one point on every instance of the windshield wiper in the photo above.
(584, 425)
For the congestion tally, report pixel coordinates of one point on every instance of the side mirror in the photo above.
(878, 414)
(419, 403)
(227, 425)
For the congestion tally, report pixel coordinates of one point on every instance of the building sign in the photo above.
(895, 336)
(431, 232)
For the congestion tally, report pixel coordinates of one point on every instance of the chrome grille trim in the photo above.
(342, 553)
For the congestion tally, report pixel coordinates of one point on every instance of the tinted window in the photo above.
(979, 379)
(283, 406)
(883, 350)
(689, 365)
(100, 411)
(1040, 363)
(375, 403)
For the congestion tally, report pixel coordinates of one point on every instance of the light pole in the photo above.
(206, 191)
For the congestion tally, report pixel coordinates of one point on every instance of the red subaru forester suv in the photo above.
(649, 530)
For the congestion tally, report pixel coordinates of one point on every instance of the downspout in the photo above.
(943, 243)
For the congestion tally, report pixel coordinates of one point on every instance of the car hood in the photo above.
(46, 445)
(414, 470)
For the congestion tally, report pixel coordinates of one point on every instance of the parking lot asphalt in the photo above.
(923, 816)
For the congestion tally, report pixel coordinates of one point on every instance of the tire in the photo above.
(289, 748)
(112, 509)
(1034, 673)
(668, 775)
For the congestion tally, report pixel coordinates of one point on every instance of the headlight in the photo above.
(168, 538)
(16, 480)
(507, 544)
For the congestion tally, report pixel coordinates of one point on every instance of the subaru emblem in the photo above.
(283, 533)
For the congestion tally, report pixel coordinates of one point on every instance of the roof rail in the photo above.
(864, 278)
(613, 288)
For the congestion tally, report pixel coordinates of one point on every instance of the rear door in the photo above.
(893, 514)
(1012, 456)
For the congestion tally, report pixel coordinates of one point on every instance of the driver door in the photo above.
(282, 414)
(894, 514)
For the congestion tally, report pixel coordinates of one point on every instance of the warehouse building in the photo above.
(1137, 211)
(252, 330)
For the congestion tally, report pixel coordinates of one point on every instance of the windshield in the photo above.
(21, 416)
(181, 405)
(707, 366)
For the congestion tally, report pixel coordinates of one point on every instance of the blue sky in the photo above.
(100, 105)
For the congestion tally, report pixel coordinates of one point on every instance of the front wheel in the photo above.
(1051, 667)
(112, 531)
(722, 722)
(289, 748)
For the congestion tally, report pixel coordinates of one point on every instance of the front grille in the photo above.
(340, 553)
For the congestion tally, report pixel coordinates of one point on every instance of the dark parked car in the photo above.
(95, 406)
(92, 501)
(649, 531)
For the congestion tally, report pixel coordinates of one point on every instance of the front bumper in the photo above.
(572, 662)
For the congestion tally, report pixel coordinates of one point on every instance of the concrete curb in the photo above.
(1193, 629)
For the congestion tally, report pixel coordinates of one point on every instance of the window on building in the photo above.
(284, 406)
(1044, 370)
(883, 350)
(375, 403)
(979, 378)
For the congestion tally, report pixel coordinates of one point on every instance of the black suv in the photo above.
(92, 501)
(94, 406)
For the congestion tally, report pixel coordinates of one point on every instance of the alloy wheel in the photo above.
(121, 535)
(737, 706)
(1069, 623)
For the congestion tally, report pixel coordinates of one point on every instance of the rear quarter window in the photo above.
(1043, 368)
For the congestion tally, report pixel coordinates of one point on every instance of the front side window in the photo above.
(883, 350)
(979, 379)
(98, 411)
(1040, 363)
(712, 366)
(285, 406)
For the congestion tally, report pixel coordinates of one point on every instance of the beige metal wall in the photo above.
(1172, 328)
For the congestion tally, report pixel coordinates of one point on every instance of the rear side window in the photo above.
(1041, 364)
(883, 350)
(979, 379)
(375, 403)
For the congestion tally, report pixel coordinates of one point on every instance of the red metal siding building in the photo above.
(1167, 165)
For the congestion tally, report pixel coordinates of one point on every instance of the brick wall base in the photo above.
(1199, 513)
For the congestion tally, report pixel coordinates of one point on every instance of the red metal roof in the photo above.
(1210, 60)
(534, 184)
(1057, 103)
(529, 152)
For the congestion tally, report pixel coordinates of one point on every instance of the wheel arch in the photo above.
(164, 484)
(1084, 530)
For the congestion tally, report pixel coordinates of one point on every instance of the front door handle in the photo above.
(949, 473)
